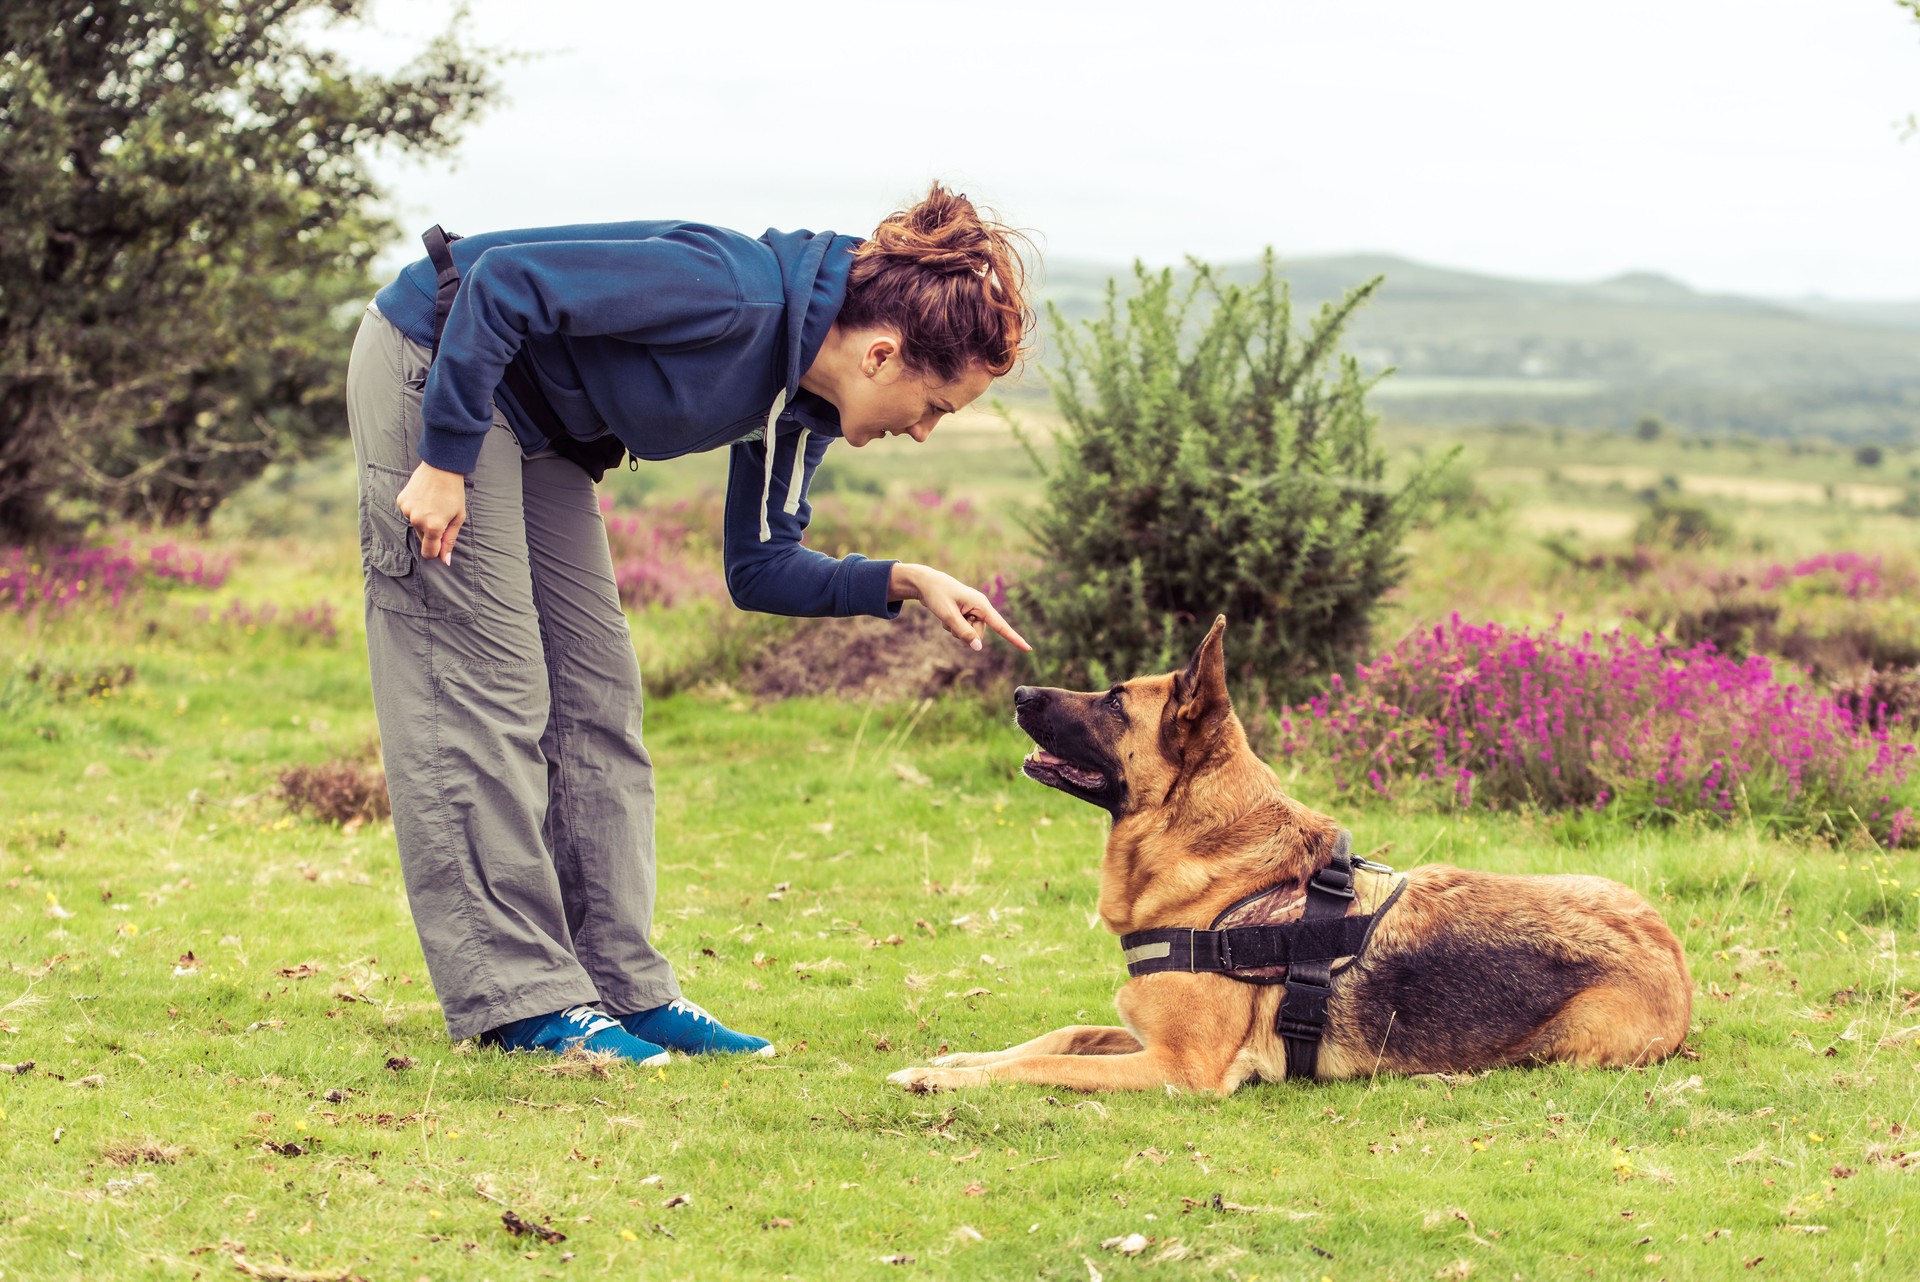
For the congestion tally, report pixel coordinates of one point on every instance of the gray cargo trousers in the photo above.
(508, 699)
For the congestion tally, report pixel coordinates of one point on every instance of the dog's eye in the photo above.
(1113, 700)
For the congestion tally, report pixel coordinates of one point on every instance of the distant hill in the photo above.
(1469, 347)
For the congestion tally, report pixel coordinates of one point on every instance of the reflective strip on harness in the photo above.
(1146, 952)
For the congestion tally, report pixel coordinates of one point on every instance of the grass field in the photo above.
(238, 1068)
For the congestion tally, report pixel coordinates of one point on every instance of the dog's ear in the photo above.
(1200, 689)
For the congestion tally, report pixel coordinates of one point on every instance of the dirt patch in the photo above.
(342, 791)
(910, 657)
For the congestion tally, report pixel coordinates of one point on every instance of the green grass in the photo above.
(149, 816)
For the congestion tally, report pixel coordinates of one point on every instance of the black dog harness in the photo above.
(595, 456)
(1299, 953)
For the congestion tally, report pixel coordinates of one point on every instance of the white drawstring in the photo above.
(766, 482)
(799, 477)
(795, 481)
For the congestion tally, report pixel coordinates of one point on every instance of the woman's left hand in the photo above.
(962, 610)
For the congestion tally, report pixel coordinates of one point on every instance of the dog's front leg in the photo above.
(1081, 1039)
(1191, 1028)
(1140, 1070)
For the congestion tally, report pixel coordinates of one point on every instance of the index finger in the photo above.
(1005, 629)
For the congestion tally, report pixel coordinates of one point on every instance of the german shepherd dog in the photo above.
(1464, 971)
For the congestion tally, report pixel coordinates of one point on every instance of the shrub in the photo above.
(1213, 460)
(1679, 524)
(1483, 715)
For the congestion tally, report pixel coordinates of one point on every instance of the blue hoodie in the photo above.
(676, 338)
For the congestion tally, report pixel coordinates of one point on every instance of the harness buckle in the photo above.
(1207, 951)
(1333, 880)
(1303, 1011)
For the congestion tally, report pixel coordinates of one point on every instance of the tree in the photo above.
(1214, 461)
(1913, 8)
(184, 208)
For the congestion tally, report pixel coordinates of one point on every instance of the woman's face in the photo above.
(889, 399)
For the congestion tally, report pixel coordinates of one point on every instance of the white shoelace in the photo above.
(685, 1007)
(588, 1020)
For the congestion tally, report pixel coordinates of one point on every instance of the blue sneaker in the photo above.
(682, 1026)
(581, 1026)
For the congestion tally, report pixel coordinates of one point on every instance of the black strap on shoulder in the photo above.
(446, 278)
(594, 456)
(1303, 1008)
(1307, 947)
(1242, 947)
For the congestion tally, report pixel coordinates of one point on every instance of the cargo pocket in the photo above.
(395, 579)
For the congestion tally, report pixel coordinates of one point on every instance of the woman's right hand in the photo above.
(962, 610)
(435, 505)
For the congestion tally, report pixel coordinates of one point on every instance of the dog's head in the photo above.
(1126, 747)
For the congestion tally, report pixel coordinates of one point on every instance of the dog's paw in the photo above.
(924, 1081)
(964, 1059)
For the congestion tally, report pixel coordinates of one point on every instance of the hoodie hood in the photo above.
(813, 270)
(814, 267)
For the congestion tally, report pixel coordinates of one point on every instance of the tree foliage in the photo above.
(185, 206)
(1214, 460)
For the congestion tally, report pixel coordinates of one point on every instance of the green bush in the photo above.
(1213, 460)
(1680, 524)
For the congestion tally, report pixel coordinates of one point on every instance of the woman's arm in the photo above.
(783, 576)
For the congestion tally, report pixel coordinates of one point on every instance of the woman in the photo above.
(504, 676)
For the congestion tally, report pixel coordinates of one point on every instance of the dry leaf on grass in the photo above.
(134, 1152)
(305, 970)
(678, 1199)
(90, 1080)
(896, 1259)
(581, 1062)
(527, 1228)
(1131, 1244)
(24, 1066)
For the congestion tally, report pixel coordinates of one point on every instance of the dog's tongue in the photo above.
(1079, 776)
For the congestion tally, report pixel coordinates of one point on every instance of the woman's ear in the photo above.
(880, 359)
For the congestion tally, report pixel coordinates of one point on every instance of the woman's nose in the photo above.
(923, 429)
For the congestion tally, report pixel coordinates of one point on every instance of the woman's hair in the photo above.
(952, 282)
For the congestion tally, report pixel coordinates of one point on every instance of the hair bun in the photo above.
(952, 280)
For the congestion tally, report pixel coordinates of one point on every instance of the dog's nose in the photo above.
(1024, 695)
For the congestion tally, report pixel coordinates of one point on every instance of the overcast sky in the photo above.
(1747, 146)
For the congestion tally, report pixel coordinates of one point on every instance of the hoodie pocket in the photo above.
(395, 579)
